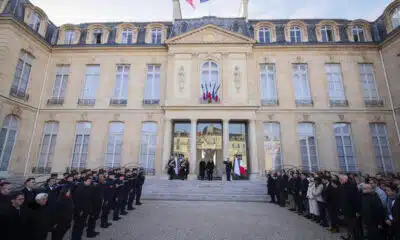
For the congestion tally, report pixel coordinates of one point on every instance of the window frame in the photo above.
(35, 21)
(83, 132)
(343, 146)
(83, 95)
(302, 128)
(296, 30)
(49, 151)
(149, 148)
(330, 75)
(266, 33)
(273, 129)
(112, 139)
(265, 81)
(95, 33)
(156, 35)
(12, 125)
(71, 37)
(379, 156)
(206, 83)
(358, 31)
(395, 17)
(27, 60)
(124, 82)
(324, 33)
(126, 32)
(298, 75)
(64, 76)
(151, 76)
(363, 72)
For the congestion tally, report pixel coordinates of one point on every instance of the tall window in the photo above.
(335, 84)
(358, 34)
(344, 147)
(81, 146)
(22, 74)
(60, 84)
(114, 145)
(148, 145)
(156, 34)
(97, 36)
(121, 82)
(264, 35)
(295, 34)
(273, 146)
(8, 135)
(396, 18)
(368, 82)
(91, 82)
(327, 34)
(69, 36)
(47, 146)
(380, 142)
(152, 89)
(301, 84)
(209, 81)
(126, 36)
(268, 84)
(34, 21)
(308, 147)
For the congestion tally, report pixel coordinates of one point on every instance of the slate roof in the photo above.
(238, 25)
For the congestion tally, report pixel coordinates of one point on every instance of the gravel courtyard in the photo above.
(176, 220)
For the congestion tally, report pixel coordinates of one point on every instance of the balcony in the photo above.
(86, 102)
(374, 103)
(269, 102)
(304, 102)
(151, 101)
(41, 170)
(339, 103)
(55, 101)
(19, 93)
(210, 101)
(118, 102)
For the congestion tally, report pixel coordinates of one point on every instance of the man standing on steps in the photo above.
(210, 170)
(202, 169)
(228, 169)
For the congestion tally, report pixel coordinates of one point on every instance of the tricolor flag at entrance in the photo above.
(191, 2)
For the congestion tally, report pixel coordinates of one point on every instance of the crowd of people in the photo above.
(78, 200)
(367, 207)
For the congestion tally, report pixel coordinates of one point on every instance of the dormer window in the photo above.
(69, 36)
(34, 22)
(156, 34)
(396, 18)
(97, 36)
(264, 35)
(295, 34)
(327, 34)
(126, 36)
(358, 34)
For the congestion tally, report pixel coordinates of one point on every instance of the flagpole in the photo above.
(209, 8)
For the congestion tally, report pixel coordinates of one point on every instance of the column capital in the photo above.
(193, 119)
(226, 120)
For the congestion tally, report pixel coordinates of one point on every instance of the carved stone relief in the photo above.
(341, 117)
(306, 117)
(84, 116)
(94, 59)
(116, 116)
(17, 111)
(299, 59)
(181, 76)
(271, 117)
(149, 116)
(237, 78)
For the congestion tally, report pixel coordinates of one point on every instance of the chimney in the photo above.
(177, 14)
(244, 12)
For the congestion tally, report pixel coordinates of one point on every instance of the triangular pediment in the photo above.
(210, 34)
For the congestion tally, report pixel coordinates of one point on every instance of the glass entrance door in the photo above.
(209, 146)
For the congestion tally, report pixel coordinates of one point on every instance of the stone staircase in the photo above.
(194, 190)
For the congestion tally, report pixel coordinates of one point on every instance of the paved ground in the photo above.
(158, 220)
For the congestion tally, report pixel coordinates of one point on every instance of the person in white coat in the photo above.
(312, 202)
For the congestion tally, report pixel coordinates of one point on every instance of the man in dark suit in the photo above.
(202, 169)
(29, 193)
(210, 170)
(228, 169)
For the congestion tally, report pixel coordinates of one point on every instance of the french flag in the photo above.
(191, 2)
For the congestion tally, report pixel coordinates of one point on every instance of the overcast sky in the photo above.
(81, 11)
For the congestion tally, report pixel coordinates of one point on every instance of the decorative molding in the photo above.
(116, 116)
(51, 117)
(299, 59)
(331, 58)
(237, 78)
(122, 60)
(84, 116)
(306, 117)
(17, 111)
(93, 59)
(341, 117)
(271, 117)
(149, 116)
(181, 77)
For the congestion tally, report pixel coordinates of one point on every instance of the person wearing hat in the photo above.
(108, 190)
(132, 190)
(139, 186)
(118, 196)
(64, 214)
(82, 202)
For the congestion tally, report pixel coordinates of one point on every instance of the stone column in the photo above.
(255, 171)
(193, 149)
(167, 144)
(225, 139)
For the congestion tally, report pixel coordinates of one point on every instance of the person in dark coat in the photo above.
(16, 221)
(271, 187)
(43, 217)
(125, 193)
(303, 193)
(139, 186)
(119, 184)
(96, 201)
(171, 168)
(132, 189)
(202, 169)
(210, 170)
(52, 191)
(228, 169)
(372, 212)
(349, 205)
(109, 191)
(5, 196)
(391, 225)
(333, 203)
(64, 214)
(82, 200)
(29, 193)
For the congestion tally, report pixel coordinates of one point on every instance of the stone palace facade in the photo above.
(311, 94)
